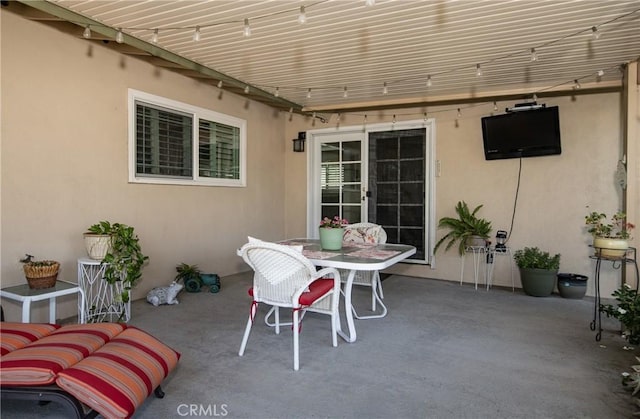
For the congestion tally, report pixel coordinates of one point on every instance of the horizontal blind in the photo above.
(219, 150)
(164, 142)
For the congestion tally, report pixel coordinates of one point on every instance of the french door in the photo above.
(382, 175)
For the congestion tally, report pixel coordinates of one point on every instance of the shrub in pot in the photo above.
(538, 271)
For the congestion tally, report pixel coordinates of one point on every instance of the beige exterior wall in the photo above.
(555, 191)
(63, 166)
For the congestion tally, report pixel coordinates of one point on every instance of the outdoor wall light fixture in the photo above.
(298, 143)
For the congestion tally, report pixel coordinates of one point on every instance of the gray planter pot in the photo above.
(538, 282)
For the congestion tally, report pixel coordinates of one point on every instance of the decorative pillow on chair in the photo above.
(365, 235)
(297, 247)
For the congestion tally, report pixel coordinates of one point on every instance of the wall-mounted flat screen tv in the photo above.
(529, 133)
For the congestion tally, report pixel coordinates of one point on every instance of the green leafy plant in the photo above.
(125, 259)
(627, 311)
(616, 228)
(466, 225)
(335, 222)
(534, 258)
(186, 272)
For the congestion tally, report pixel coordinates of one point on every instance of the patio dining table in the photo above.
(353, 257)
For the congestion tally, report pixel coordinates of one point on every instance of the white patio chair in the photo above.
(363, 233)
(285, 278)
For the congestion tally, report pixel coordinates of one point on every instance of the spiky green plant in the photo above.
(466, 225)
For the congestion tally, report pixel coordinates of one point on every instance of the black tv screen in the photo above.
(529, 133)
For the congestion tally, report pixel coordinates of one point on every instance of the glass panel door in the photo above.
(397, 198)
(341, 177)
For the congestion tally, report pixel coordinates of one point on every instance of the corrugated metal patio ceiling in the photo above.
(346, 44)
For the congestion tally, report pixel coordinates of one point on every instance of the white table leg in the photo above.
(351, 337)
(26, 311)
(52, 310)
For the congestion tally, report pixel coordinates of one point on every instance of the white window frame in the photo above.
(196, 113)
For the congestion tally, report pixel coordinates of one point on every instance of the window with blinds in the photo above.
(175, 143)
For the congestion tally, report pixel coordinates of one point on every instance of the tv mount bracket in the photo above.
(528, 106)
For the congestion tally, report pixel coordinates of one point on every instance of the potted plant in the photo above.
(332, 232)
(97, 240)
(124, 260)
(610, 239)
(466, 230)
(538, 270)
(190, 276)
(627, 311)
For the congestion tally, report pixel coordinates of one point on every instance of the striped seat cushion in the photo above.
(18, 335)
(117, 378)
(39, 362)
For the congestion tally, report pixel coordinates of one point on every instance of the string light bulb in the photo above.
(277, 92)
(247, 89)
(535, 97)
(425, 117)
(308, 93)
(247, 28)
(154, 37)
(495, 106)
(478, 70)
(576, 85)
(119, 36)
(345, 93)
(196, 34)
(429, 82)
(600, 73)
(534, 55)
(595, 34)
(459, 113)
(87, 32)
(220, 84)
(302, 17)
(393, 121)
(385, 90)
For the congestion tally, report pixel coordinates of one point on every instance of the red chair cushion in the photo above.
(317, 289)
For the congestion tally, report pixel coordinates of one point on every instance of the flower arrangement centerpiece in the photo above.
(332, 232)
(335, 222)
(610, 237)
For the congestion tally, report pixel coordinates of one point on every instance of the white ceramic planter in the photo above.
(97, 245)
(612, 248)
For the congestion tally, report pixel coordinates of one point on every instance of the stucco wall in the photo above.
(555, 191)
(64, 163)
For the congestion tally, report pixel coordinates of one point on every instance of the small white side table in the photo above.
(26, 295)
(479, 256)
(505, 251)
(103, 301)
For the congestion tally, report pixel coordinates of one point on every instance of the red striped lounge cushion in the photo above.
(39, 362)
(18, 335)
(117, 378)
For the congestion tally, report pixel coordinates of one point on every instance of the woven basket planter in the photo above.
(41, 274)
